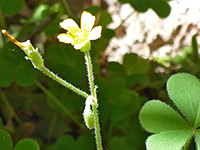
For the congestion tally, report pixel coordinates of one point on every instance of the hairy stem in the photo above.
(50, 74)
(90, 73)
(93, 92)
(97, 129)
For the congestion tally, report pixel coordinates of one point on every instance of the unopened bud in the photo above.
(88, 114)
(32, 54)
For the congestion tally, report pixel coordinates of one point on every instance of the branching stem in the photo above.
(93, 93)
(50, 74)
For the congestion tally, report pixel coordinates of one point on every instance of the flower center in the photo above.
(79, 37)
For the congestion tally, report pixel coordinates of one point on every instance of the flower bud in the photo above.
(32, 54)
(88, 114)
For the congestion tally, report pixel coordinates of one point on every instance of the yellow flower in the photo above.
(80, 37)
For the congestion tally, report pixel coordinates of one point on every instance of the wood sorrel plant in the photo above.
(80, 39)
(174, 130)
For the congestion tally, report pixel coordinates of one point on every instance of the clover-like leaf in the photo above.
(105, 18)
(156, 117)
(168, 140)
(26, 144)
(5, 140)
(197, 138)
(174, 130)
(140, 5)
(184, 90)
(161, 8)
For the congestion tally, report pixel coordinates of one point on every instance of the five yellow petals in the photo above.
(78, 37)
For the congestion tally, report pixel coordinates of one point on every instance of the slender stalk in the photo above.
(90, 73)
(97, 129)
(59, 104)
(124, 20)
(50, 74)
(5, 100)
(52, 126)
(66, 7)
(93, 92)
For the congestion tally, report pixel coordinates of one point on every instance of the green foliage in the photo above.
(1, 123)
(184, 90)
(26, 144)
(11, 7)
(6, 143)
(105, 18)
(188, 59)
(164, 118)
(160, 7)
(85, 142)
(14, 68)
(118, 143)
(140, 5)
(173, 139)
(53, 115)
(93, 9)
(173, 130)
(134, 64)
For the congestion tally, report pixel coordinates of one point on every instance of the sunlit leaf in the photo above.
(168, 140)
(184, 90)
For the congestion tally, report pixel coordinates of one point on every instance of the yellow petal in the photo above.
(70, 25)
(87, 22)
(65, 38)
(95, 33)
(80, 45)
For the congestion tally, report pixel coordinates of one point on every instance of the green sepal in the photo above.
(86, 47)
(34, 56)
(36, 59)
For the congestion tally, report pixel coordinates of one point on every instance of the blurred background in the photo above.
(143, 43)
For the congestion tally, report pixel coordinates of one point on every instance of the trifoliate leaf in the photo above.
(168, 140)
(184, 90)
(156, 117)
